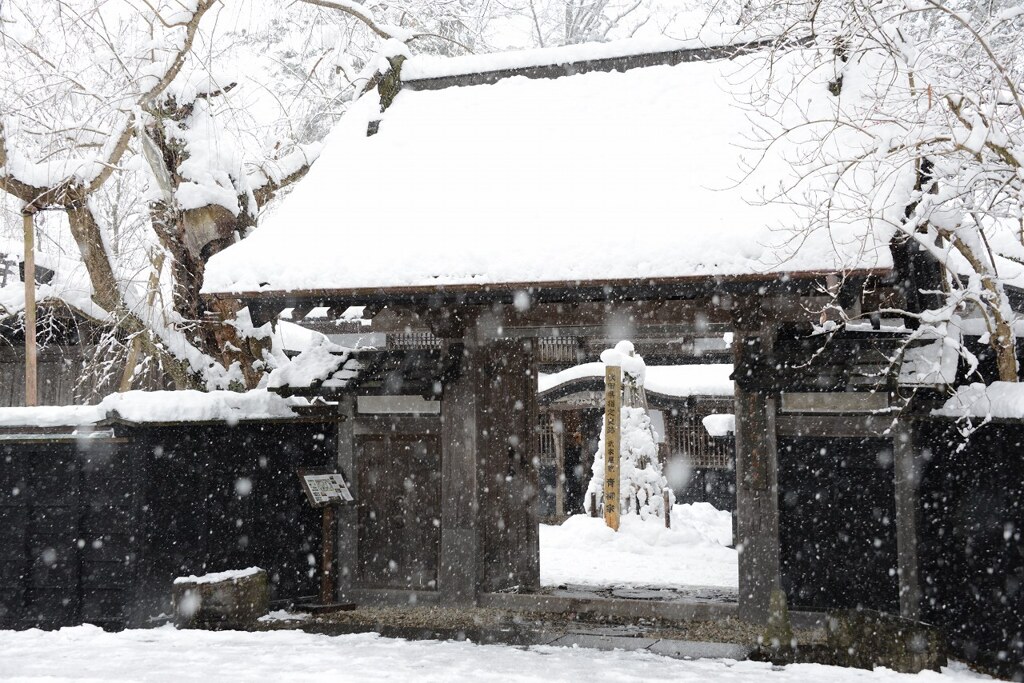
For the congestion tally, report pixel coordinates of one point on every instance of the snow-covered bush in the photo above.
(641, 482)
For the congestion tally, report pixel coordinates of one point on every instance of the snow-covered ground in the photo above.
(641, 554)
(86, 653)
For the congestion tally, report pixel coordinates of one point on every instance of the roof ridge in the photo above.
(572, 67)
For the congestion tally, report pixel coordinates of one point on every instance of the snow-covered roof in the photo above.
(669, 380)
(158, 407)
(322, 364)
(601, 177)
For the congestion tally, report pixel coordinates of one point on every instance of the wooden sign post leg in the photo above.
(327, 561)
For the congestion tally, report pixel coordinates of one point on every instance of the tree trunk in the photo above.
(107, 293)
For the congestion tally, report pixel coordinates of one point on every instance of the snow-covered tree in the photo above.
(924, 138)
(641, 482)
(151, 135)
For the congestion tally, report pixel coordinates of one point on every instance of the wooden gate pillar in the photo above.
(757, 500)
(459, 495)
(347, 526)
(508, 531)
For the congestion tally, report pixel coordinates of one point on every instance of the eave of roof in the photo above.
(689, 287)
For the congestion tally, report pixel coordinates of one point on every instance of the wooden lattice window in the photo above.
(413, 341)
(686, 436)
(546, 438)
(558, 350)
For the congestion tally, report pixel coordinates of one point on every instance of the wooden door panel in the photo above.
(421, 486)
(399, 486)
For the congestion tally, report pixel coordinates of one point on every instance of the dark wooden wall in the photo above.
(62, 381)
(971, 541)
(96, 530)
(59, 370)
(837, 523)
(710, 485)
(67, 548)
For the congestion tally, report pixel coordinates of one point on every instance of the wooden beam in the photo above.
(635, 314)
(570, 68)
(31, 378)
(757, 504)
(834, 426)
(550, 291)
(300, 312)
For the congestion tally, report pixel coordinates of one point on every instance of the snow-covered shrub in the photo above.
(641, 482)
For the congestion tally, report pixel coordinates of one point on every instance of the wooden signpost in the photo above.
(326, 489)
(612, 440)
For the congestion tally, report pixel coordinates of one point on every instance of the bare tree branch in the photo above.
(359, 12)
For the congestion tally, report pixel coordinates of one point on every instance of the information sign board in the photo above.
(324, 487)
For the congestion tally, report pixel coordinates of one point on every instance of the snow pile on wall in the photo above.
(51, 416)
(998, 400)
(159, 406)
(199, 406)
(583, 550)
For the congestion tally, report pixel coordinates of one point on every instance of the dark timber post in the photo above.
(459, 494)
(757, 509)
(327, 556)
(507, 523)
(346, 531)
(906, 472)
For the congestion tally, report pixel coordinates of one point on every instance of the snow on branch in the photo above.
(365, 15)
(384, 31)
(274, 175)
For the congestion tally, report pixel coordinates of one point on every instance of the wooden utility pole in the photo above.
(612, 441)
(31, 381)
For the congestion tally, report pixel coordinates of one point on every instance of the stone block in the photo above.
(225, 600)
(866, 639)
